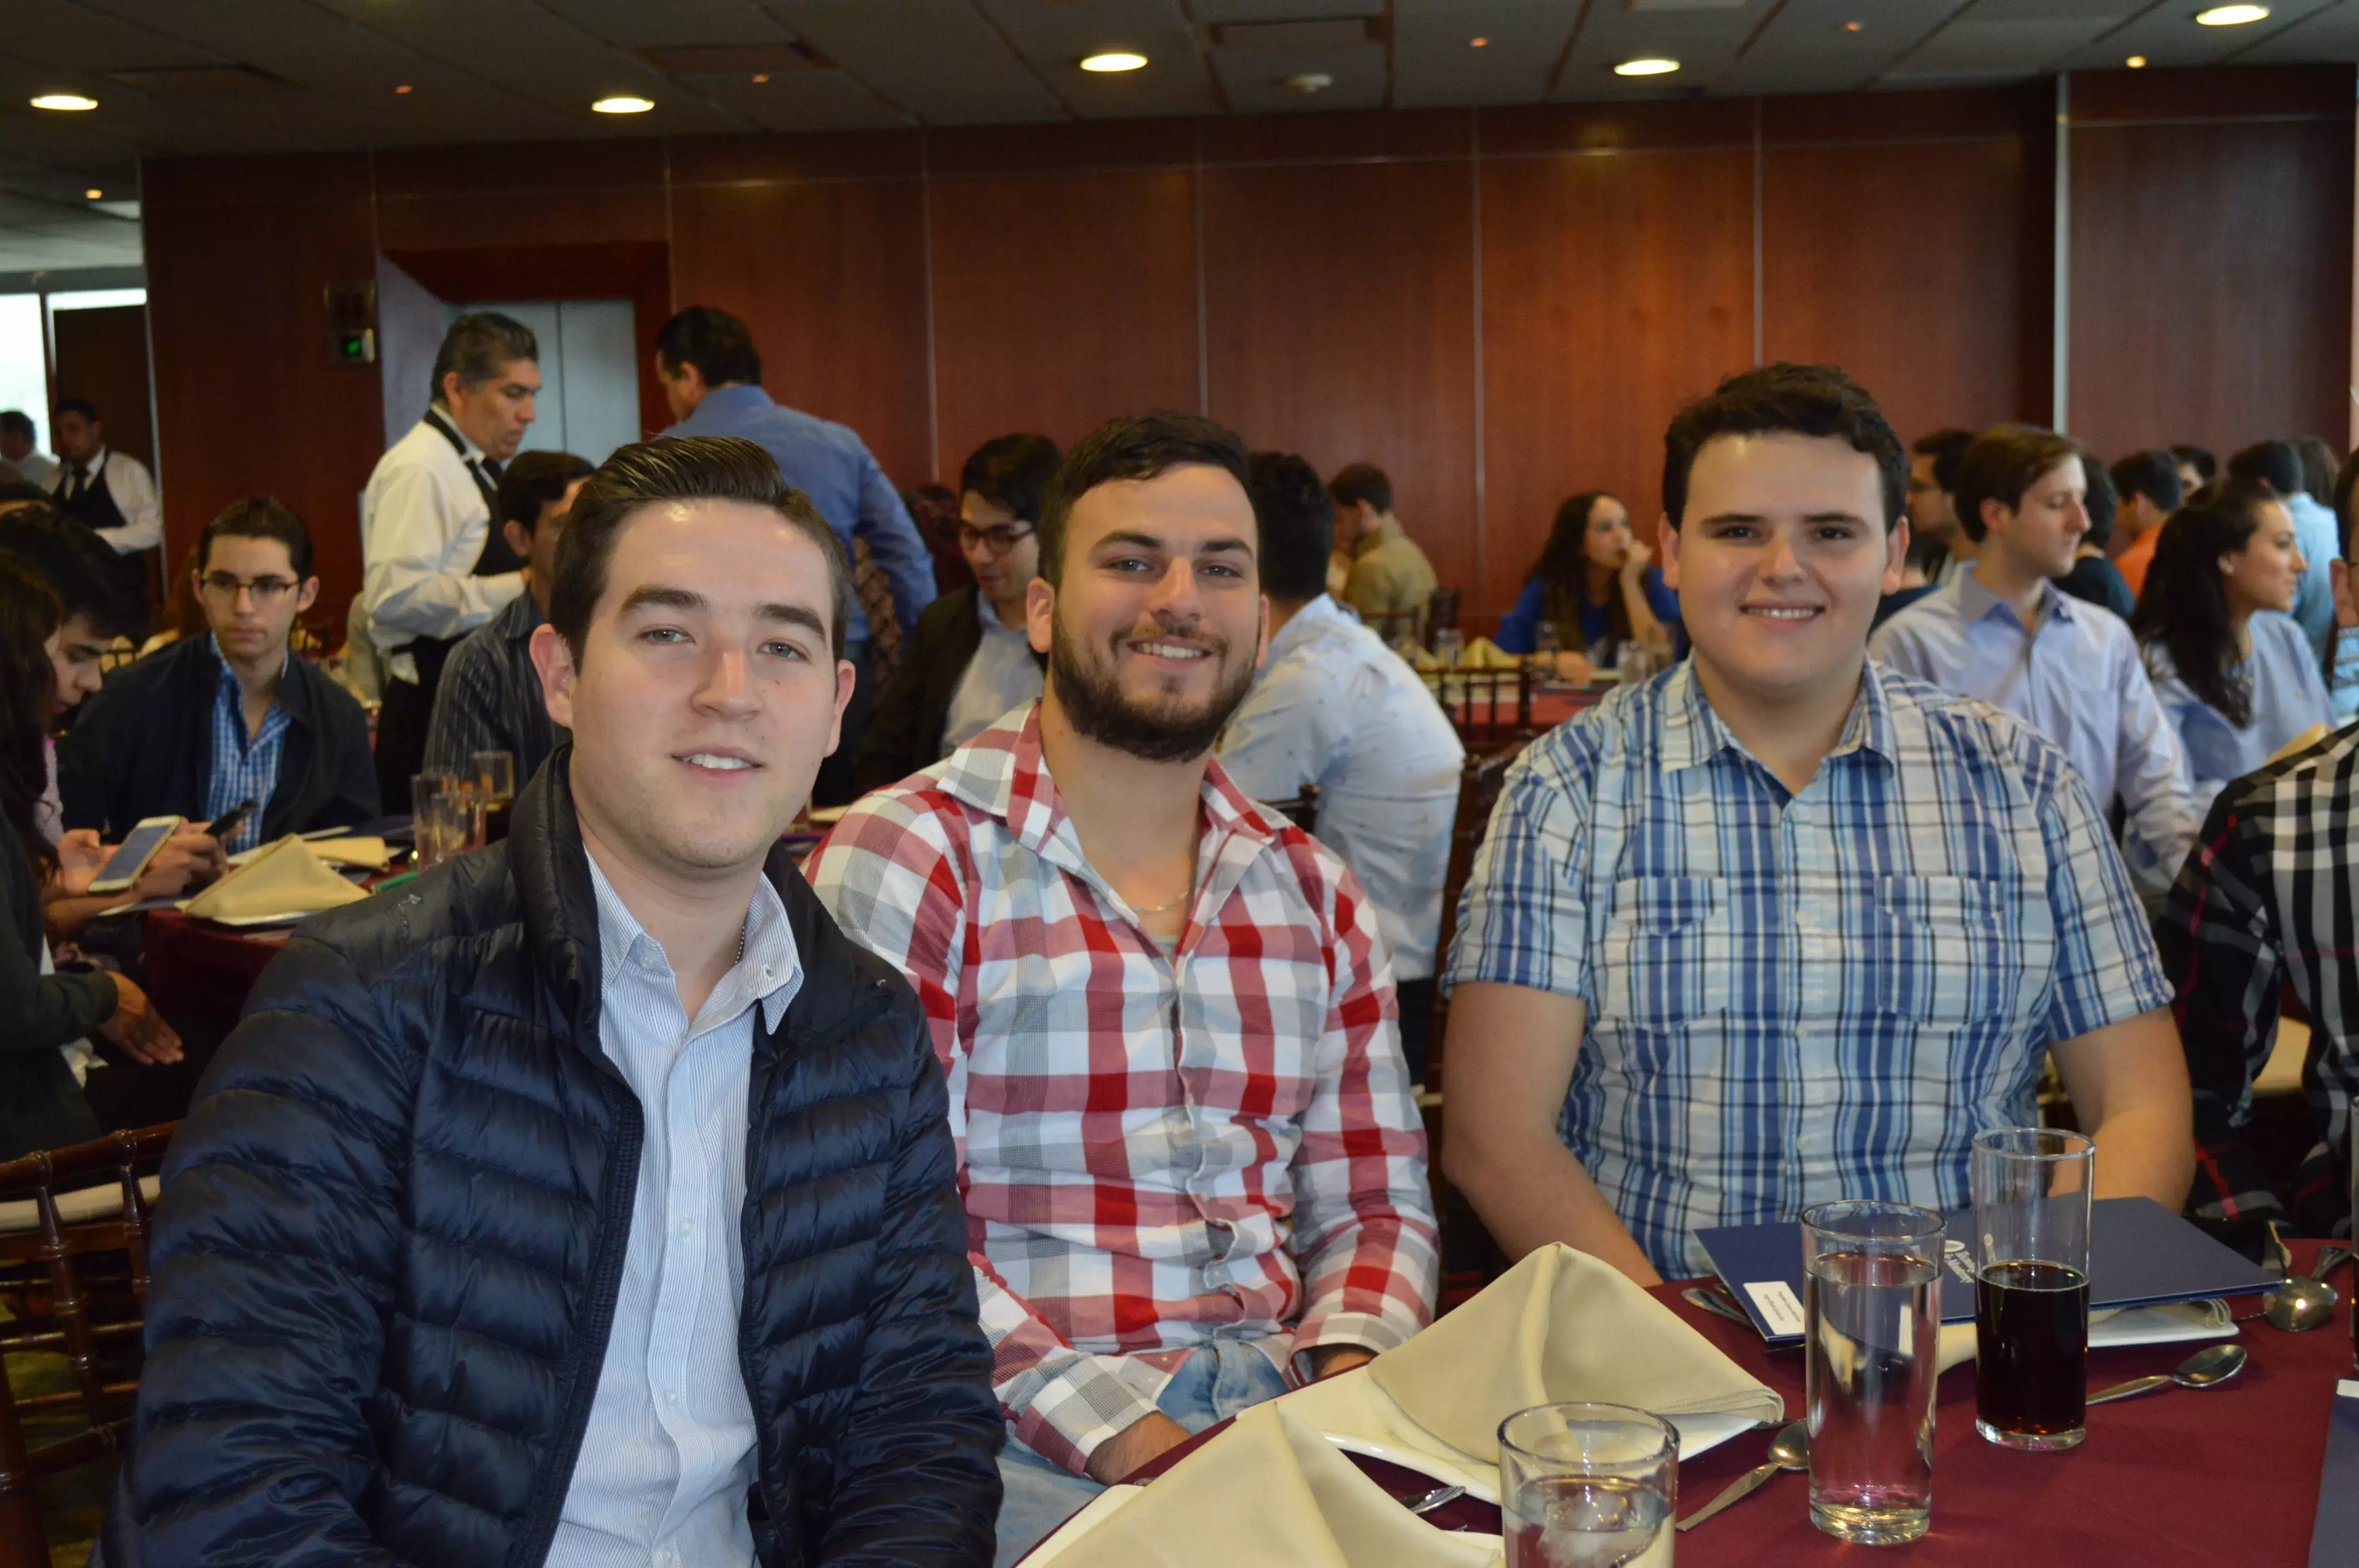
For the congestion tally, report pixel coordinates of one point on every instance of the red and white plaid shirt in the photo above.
(1156, 1150)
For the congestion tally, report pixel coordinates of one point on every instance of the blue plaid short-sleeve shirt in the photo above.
(1794, 997)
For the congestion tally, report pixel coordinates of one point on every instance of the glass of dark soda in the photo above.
(2032, 1188)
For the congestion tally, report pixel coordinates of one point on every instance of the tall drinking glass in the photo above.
(496, 789)
(2032, 1191)
(1871, 1311)
(1586, 1485)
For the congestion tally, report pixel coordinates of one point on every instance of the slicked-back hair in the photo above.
(2005, 461)
(480, 346)
(2274, 463)
(1135, 447)
(1945, 447)
(535, 480)
(2154, 475)
(719, 345)
(1355, 483)
(1297, 520)
(1787, 399)
(1011, 472)
(87, 410)
(259, 517)
(79, 567)
(684, 468)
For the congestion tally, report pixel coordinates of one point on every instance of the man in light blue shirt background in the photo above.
(711, 376)
(1333, 706)
(2277, 464)
(2006, 633)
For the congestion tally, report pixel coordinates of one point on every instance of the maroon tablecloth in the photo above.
(2227, 1478)
(199, 973)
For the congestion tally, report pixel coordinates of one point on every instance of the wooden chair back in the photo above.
(1489, 709)
(73, 1263)
(1441, 612)
(1302, 809)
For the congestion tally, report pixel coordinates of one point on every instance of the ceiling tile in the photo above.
(1257, 80)
(1434, 67)
(938, 58)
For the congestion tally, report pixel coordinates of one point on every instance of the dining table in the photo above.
(2226, 1477)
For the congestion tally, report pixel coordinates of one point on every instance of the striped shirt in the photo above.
(246, 767)
(2271, 897)
(1799, 997)
(489, 699)
(1157, 1150)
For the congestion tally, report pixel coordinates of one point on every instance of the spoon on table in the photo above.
(1791, 1451)
(2302, 1304)
(2206, 1368)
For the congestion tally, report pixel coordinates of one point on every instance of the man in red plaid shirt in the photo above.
(1192, 1170)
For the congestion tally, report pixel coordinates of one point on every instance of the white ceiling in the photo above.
(229, 76)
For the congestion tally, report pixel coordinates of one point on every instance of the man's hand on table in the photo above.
(1134, 1446)
(1332, 1360)
(190, 857)
(137, 1026)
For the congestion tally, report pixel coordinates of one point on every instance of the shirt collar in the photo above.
(1306, 623)
(228, 675)
(1977, 604)
(1384, 532)
(770, 973)
(1693, 733)
(94, 465)
(468, 451)
(723, 401)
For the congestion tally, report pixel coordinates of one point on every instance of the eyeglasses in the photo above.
(999, 540)
(266, 590)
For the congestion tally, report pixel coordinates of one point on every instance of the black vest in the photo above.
(432, 652)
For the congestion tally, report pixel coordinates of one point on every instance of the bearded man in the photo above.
(1193, 1174)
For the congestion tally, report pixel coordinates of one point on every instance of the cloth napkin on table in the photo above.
(285, 879)
(1483, 653)
(1270, 1493)
(1561, 1326)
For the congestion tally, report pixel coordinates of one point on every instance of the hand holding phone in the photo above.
(220, 829)
(122, 868)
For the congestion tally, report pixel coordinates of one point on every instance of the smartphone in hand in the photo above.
(122, 868)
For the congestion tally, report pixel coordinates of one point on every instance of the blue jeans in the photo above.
(1213, 1384)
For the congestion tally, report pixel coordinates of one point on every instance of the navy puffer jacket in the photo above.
(392, 1231)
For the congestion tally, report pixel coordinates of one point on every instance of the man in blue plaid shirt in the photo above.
(1780, 925)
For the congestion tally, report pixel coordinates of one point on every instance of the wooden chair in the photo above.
(1470, 1257)
(74, 1266)
(1489, 709)
(1442, 612)
(1302, 810)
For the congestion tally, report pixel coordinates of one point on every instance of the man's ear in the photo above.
(553, 660)
(1039, 612)
(519, 539)
(308, 595)
(1994, 509)
(1896, 555)
(2347, 591)
(1666, 550)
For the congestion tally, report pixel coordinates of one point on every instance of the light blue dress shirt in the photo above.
(829, 463)
(1002, 675)
(2078, 681)
(2322, 544)
(1335, 707)
(2288, 697)
(662, 1476)
(246, 767)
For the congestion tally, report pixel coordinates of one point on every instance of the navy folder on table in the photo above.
(2334, 1539)
(2140, 1254)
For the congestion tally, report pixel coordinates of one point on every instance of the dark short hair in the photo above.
(2319, 464)
(479, 346)
(2102, 504)
(79, 568)
(535, 480)
(2199, 458)
(1945, 447)
(683, 467)
(24, 489)
(16, 422)
(718, 344)
(1355, 483)
(88, 410)
(1010, 472)
(2154, 475)
(1792, 400)
(2005, 461)
(1297, 520)
(2277, 464)
(1134, 446)
(260, 517)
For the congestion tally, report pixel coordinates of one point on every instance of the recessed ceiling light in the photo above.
(761, 76)
(1117, 60)
(1851, 27)
(1646, 67)
(2230, 16)
(624, 104)
(2136, 63)
(67, 102)
(1478, 43)
(93, 193)
(402, 91)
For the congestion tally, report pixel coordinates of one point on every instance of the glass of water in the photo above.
(1872, 1305)
(1584, 1486)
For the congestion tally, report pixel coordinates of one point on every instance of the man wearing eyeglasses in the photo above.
(208, 723)
(971, 658)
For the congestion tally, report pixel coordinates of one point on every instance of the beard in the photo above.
(1156, 729)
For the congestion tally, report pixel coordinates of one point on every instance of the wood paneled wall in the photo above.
(1502, 306)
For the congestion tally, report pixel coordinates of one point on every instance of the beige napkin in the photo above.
(1270, 1493)
(1560, 1326)
(1483, 653)
(285, 879)
(370, 852)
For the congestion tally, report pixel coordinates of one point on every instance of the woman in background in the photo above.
(2238, 683)
(1596, 584)
(41, 1012)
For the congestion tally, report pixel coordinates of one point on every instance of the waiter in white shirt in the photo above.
(435, 566)
(110, 491)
